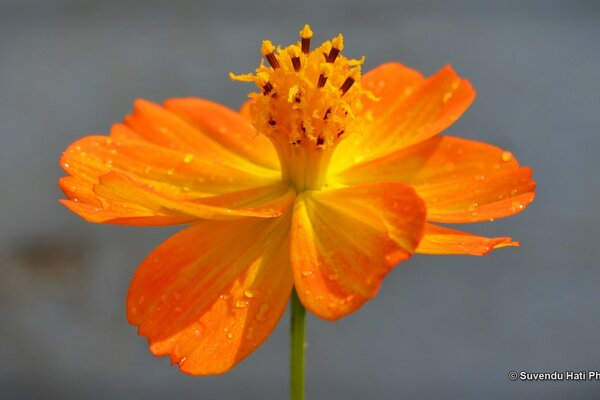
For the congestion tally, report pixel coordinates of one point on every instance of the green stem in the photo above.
(297, 349)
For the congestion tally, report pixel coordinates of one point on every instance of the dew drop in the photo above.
(230, 335)
(261, 314)
(359, 158)
(250, 293)
(516, 206)
(188, 158)
(225, 296)
(197, 332)
(447, 97)
(306, 274)
(241, 304)
(506, 156)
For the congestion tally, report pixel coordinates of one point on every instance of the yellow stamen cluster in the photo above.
(307, 101)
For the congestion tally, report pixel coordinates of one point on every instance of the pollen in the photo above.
(307, 99)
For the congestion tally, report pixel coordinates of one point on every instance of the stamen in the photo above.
(306, 34)
(346, 85)
(337, 45)
(267, 51)
(322, 81)
(267, 87)
(320, 140)
(294, 53)
(327, 113)
(349, 81)
(325, 70)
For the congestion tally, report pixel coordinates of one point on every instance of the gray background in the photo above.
(441, 326)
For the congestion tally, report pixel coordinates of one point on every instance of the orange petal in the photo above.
(409, 112)
(187, 130)
(344, 241)
(460, 180)
(440, 240)
(245, 110)
(226, 127)
(211, 294)
(126, 181)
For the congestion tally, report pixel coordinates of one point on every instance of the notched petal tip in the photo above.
(441, 240)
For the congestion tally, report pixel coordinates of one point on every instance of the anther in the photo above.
(320, 140)
(267, 87)
(322, 81)
(327, 113)
(325, 70)
(354, 74)
(267, 51)
(306, 34)
(337, 45)
(346, 85)
(294, 53)
(272, 122)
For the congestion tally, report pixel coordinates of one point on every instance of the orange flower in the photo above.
(324, 182)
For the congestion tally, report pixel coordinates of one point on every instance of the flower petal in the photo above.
(409, 112)
(226, 127)
(441, 240)
(344, 241)
(211, 294)
(189, 131)
(126, 181)
(460, 180)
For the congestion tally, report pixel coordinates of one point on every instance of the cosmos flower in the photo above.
(323, 182)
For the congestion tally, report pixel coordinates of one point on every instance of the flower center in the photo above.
(306, 104)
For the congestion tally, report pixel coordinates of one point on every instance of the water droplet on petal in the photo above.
(230, 335)
(359, 158)
(306, 274)
(197, 332)
(241, 304)
(188, 158)
(250, 333)
(506, 156)
(516, 206)
(261, 314)
(447, 97)
(250, 293)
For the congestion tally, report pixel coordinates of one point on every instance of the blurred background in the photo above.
(441, 326)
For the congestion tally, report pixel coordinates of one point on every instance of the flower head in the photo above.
(324, 182)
